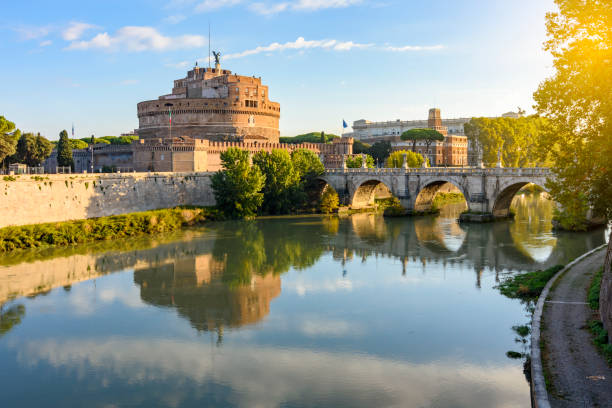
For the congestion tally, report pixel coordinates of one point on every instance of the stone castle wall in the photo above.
(59, 197)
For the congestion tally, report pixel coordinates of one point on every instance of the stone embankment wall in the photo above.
(61, 197)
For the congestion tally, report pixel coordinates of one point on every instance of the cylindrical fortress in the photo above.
(212, 104)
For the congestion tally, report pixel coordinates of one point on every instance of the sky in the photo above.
(90, 62)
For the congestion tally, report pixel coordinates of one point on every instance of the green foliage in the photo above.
(97, 229)
(396, 159)
(95, 140)
(594, 289)
(379, 151)
(78, 144)
(355, 162)
(238, 186)
(601, 339)
(442, 199)
(307, 163)
(421, 134)
(32, 150)
(520, 140)
(329, 200)
(359, 147)
(576, 99)
(312, 137)
(527, 286)
(119, 140)
(393, 208)
(64, 150)
(282, 181)
(9, 136)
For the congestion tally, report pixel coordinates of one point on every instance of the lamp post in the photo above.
(91, 148)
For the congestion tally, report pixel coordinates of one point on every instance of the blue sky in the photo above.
(91, 62)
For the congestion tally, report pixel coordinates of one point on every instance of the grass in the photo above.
(601, 339)
(527, 286)
(594, 289)
(103, 228)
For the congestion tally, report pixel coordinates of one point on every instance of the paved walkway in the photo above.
(579, 375)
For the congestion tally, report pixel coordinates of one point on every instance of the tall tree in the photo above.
(64, 150)
(282, 181)
(9, 135)
(32, 150)
(577, 101)
(379, 151)
(429, 138)
(237, 188)
(396, 159)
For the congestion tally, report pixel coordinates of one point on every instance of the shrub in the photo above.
(329, 200)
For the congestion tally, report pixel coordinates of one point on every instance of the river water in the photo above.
(359, 311)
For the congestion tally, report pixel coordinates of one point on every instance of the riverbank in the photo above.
(567, 368)
(102, 228)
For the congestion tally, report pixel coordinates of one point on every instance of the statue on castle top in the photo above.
(217, 55)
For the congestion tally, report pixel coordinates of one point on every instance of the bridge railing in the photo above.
(503, 171)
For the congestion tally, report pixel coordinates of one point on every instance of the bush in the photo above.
(329, 200)
(527, 286)
(396, 159)
(356, 162)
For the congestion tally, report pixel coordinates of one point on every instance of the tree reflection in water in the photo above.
(10, 317)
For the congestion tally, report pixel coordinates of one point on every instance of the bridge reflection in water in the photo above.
(227, 274)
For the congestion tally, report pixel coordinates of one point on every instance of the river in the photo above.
(361, 311)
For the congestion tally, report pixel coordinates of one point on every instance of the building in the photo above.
(213, 104)
(208, 112)
(453, 151)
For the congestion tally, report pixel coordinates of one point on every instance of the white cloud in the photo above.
(75, 30)
(406, 48)
(136, 39)
(268, 9)
(46, 43)
(312, 5)
(211, 5)
(33, 32)
(179, 65)
(174, 19)
(300, 44)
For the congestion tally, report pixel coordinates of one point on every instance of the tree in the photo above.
(429, 138)
(576, 100)
(282, 188)
(417, 134)
(359, 147)
(396, 159)
(379, 151)
(323, 137)
(520, 140)
(309, 167)
(237, 188)
(32, 150)
(9, 136)
(93, 140)
(77, 144)
(329, 200)
(64, 151)
(355, 162)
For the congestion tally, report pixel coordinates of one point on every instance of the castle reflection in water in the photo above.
(226, 274)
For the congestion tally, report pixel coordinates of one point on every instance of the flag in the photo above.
(73, 130)
(170, 115)
(344, 125)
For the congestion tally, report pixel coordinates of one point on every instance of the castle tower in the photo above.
(434, 121)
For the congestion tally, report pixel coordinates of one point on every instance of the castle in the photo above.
(209, 111)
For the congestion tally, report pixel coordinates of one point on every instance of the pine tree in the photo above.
(64, 151)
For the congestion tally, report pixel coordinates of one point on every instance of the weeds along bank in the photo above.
(27, 199)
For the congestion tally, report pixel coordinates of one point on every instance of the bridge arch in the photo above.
(424, 198)
(503, 200)
(366, 190)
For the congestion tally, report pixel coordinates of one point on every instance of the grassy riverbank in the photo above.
(103, 228)
(442, 199)
(527, 286)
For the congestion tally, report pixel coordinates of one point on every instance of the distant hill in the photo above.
(312, 137)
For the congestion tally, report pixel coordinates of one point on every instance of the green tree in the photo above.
(32, 150)
(237, 188)
(416, 135)
(94, 140)
(309, 167)
(312, 137)
(76, 144)
(64, 150)
(576, 100)
(9, 136)
(520, 140)
(379, 151)
(359, 147)
(323, 140)
(354, 162)
(396, 159)
(329, 200)
(282, 188)
(10, 318)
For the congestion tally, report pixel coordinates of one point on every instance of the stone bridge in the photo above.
(486, 190)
